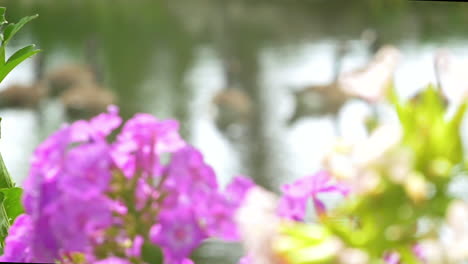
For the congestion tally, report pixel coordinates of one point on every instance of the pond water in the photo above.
(169, 58)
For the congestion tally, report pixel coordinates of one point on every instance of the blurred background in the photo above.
(231, 71)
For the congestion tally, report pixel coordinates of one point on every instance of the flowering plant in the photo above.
(99, 192)
(88, 200)
(7, 33)
(400, 207)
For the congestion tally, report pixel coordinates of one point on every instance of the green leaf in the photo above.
(2, 55)
(18, 57)
(10, 208)
(5, 179)
(7, 34)
(459, 116)
(12, 203)
(23, 53)
(300, 253)
(12, 29)
(308, 232)
(4, 223)
(151, 253)
(2, 15)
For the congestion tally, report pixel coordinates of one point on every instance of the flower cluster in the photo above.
(92, 200)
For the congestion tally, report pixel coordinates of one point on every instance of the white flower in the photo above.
(433, 251)
(453, 244)
(353, 256)
(452, 76)
(354, 162)
(371, 82)
(379, 142)
(258, 225)
(457, 220)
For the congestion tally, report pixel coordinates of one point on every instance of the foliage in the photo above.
(8, 31)
(408, 200)
(10, 203)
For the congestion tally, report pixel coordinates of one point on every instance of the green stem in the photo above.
(5, 179)
(4, 225)
(5, 182)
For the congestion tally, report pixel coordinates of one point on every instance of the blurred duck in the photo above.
(85, 100)
(23, 96)
(67, 76)
(319, 100)
(76, 86)
(452, 78)
(79, 88)
(51, 85)
(26, 95)
(233, 108)
(369, 83)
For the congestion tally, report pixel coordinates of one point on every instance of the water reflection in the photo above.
(171, 58)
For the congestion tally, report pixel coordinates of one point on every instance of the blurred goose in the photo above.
(66, 76)
(26, 95)
(81, 93)
(22, 96)
(85, 100)
(452, 78)
(233, 107)
(319, 100)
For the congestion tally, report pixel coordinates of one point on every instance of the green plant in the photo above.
(10, 202)
(8, 31)
(402, 198)
(10, 195)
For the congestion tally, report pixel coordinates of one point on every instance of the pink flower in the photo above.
(245, 260)
(64, 193)
(178, 233)
(142, 140)
(293, 208)
(189, 174)
(135, 250)
(237, 189)
(392, 258)
(17, 247)
(97, 128)
(293, 203)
